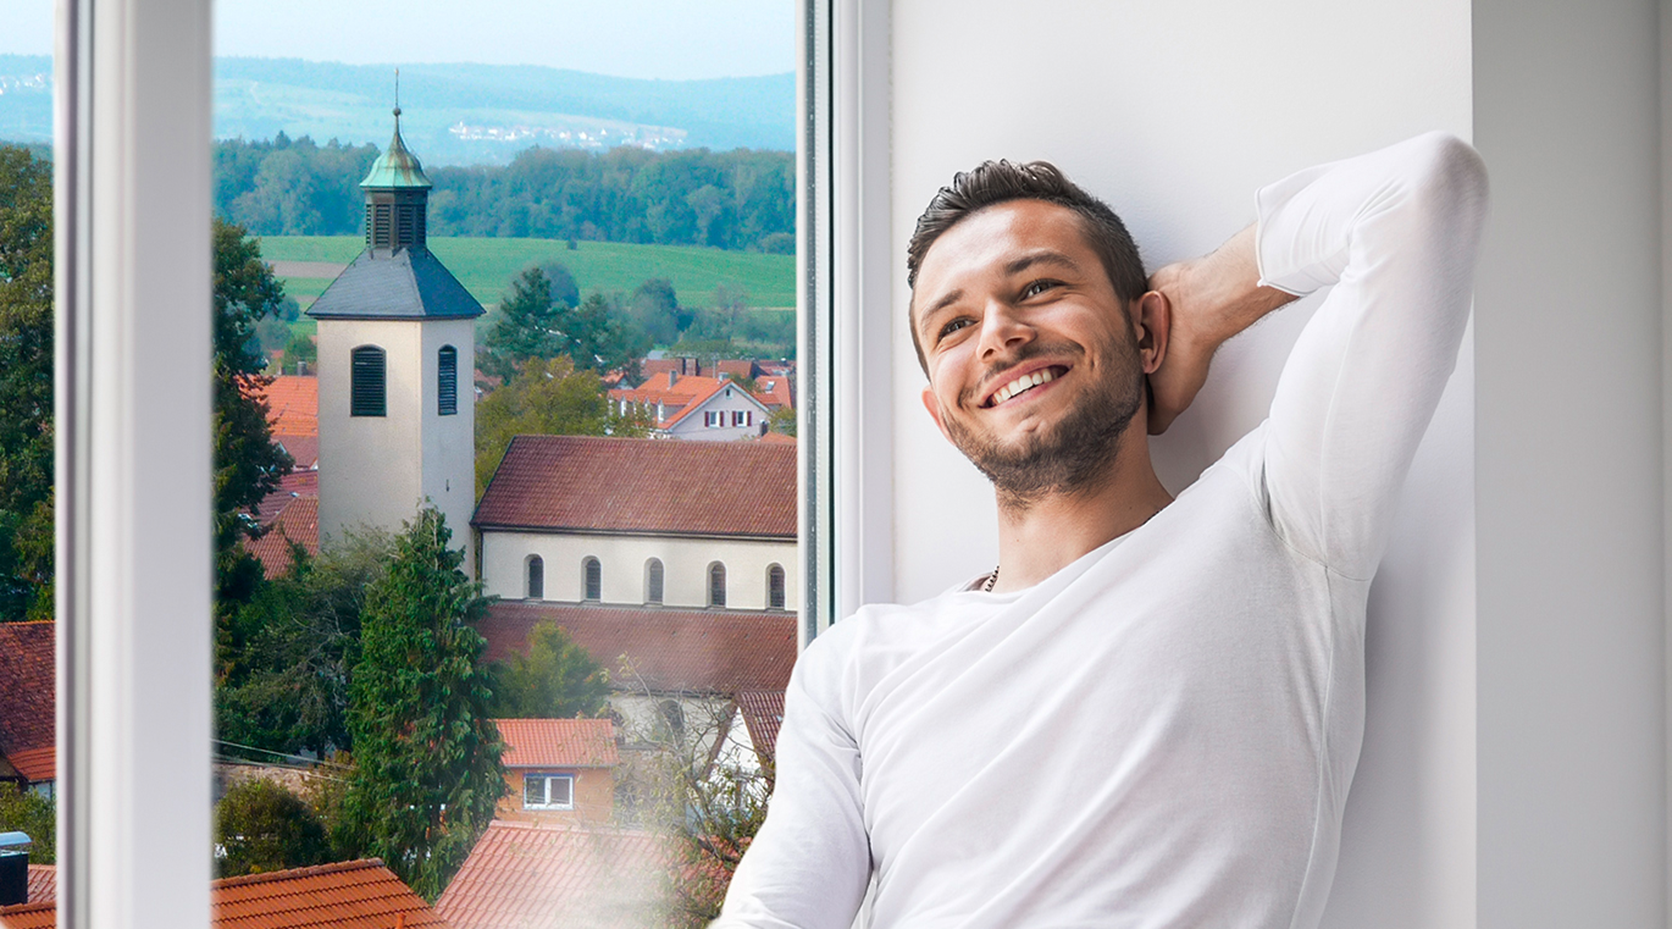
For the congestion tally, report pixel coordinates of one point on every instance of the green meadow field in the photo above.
(486, 266)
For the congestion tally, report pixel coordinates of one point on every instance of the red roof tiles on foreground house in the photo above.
(297, 522)
(43, 883)
(763, 713)
(293, 405)
(521, 874)
(350, 895)
(670, 651)
(588, 484)
(558, 743)
(27, 678)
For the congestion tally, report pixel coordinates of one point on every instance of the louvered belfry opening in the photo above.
(367, 390)
(447, 382)
(396, 219)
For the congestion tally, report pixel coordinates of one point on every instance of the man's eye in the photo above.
(954, 326)
(1038, 287)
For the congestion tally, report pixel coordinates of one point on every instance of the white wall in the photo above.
(621, 558)
(376, 470)
(1175, 113)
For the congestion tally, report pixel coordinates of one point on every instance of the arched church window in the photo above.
(716, 584)
(366, 382)
(447, 385)
(536, 578)
(775, 587)
(653, 581)
(593, 577)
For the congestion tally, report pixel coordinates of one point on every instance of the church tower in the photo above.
(396, 355)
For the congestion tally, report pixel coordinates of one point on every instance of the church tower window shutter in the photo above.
(447, 387)
(367, 389)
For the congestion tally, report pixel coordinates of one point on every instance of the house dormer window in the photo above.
(548, 791)
(447, 382)
(367, 374)
(592, 579)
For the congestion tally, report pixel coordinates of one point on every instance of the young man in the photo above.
(1149, 712)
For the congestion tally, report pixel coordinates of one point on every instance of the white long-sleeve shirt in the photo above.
(1162, 733)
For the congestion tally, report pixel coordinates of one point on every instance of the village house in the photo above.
(694, 408)
(599, 520)
(28, 721)
(523, 874)
(558, 771)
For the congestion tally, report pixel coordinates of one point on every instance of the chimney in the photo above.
(673, 377)
(14, 867)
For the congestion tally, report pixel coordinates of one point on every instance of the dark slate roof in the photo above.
(666, 650)
(650, 486)
(410, 284)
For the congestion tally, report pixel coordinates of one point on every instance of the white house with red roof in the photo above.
(692, 407)
(640, 522)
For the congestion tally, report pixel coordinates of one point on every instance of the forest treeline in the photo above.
(742, 199)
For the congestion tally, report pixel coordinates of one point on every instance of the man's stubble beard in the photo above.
(1072, 457)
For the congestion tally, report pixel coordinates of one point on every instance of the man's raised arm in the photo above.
(1395, 233)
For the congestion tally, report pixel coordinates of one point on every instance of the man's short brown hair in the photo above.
(994, 182)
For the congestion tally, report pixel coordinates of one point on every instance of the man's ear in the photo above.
(933, 406)
(1152, 320)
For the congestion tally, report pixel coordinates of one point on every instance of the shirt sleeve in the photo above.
(809, 865)
(1395, 234)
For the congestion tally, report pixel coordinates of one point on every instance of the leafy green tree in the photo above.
(262, 827)
(26, 397)
(285, 657)
(528, 325)
(301, 348)
(547, 398)
(655, 308)
(29, 812)
(782, 421)
(248, 466)
(427, 771)
(555, 679)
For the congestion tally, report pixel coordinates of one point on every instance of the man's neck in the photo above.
(1044, 535)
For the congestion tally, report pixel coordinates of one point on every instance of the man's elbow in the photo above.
(1448, 178)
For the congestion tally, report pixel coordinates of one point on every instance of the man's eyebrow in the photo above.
(945, 301)
(1042, 256)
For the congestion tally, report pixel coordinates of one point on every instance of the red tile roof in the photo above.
(558, 743)
(646, 486)
(28, 679)
(523, 874)
(35, 764)
(775, 391)
(763, 713)
(43, 883)
(293, 405)
(303, 449)
(697, 402)
(737, 367)
(349, 895)
(671, 651)
(777, 438)
(292, 485)
(297, 522)
(29, 916)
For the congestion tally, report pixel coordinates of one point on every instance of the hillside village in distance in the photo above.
(659, 548)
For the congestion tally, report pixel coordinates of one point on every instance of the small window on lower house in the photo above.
(536, 578)
(548, 791)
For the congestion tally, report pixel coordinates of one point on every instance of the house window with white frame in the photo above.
(548, 791)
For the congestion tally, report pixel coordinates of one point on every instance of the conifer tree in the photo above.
(427, 771)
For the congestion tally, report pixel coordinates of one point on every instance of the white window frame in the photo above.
(548, 778)
(132, 208)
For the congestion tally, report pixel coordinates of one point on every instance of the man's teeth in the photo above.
(1025, 382)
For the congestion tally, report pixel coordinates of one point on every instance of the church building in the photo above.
(396, 352)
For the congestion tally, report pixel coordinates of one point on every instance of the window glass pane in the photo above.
(28, 628)
(605, 316)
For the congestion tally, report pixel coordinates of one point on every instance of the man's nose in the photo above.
(1003, 329)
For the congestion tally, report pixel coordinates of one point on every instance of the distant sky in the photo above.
(670, 39)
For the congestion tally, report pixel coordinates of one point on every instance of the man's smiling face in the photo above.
(1034, 364)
